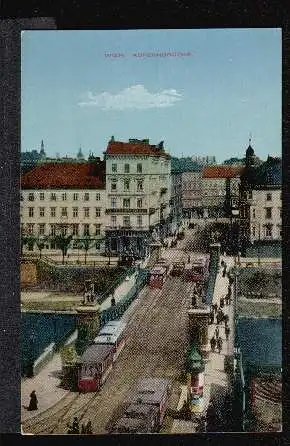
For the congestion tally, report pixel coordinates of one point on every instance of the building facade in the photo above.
(67, 199)
(138, 186)
(176, 201)
(220, 190)
(192, 193)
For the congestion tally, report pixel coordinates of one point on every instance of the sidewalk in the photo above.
(216, 379)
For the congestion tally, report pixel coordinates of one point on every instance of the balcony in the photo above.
(126, 211)
(126, 228)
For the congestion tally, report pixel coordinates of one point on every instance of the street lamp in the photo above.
(235, 214)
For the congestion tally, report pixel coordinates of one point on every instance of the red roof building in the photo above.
(222, 172)
(135, 148)
(65, 176)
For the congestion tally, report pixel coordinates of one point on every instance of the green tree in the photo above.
(86, 243)
(62, 242)
(40, 243)
(26, 240)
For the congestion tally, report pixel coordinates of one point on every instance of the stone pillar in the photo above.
(198, 329)
(88, 325)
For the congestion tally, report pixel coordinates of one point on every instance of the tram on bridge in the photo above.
(157, 276)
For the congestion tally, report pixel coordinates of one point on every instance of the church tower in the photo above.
(42, 152)
(250, 155)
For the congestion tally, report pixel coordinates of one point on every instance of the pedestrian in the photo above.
(227, 332)
(188, 260)
(194, 300)
(33, 401)
(226, 319)
(222, 263)
(113, 302)
(215, 307)
(75, 426)
(83, 429)
(219, 344)
(70, 429)
(229, 290)
(212, 344)
(89, 427)
(211, 317)
(217, 332)
(224, 271)
(222, 302)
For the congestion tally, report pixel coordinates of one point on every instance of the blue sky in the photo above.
(205, 103)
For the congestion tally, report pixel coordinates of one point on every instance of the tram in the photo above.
(157, 276)
(113, 333)
(96, 364)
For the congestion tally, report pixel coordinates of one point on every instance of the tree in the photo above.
(26, 240)
(62, 242)
(40, 243)
(86, 243)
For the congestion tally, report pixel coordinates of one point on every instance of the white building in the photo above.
(138, 194)
(176, 201)
(64, 198)
(265, 201)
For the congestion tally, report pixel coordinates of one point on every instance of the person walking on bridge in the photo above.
(217, 332)
(219, 344)
(227, 332)
(212, 344)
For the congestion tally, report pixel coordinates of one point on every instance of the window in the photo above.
(86, 212)
(139, 168)
(250, 195)
(126, 203)
(41, 212)
(280, 211)
(52, 212)
(253, 231)
(281, 196)
(86, 229)
(268, 231)
(31, 197)
(30, 212)
(64, 212)
(53, 196)
(254, 213)
(126, 221)
(86, 196)
(139, 203)
(126, 168)
(113, 221)
(64, 196)
(41, 228)
(53, 229)
(139, 185)
(98, 197)
(268, 212)
(41, 196)
(280, 230)
(64, 230)
(114, 185)
(30, 227)
(75, 229)
(269, 197)
(126, 185)
(21, 197)
(76, 196)
(98, 229)
(21, 211)
(98, 212)
(113, 202)
(114, 167)
(75, 212)
(139, 220)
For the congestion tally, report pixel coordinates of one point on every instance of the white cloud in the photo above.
(136, 96)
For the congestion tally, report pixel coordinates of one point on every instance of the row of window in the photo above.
(63, 212)
(126, 221)
(268, 231)
(268, 213)
(63, 196)
(126, 203)
(75, 229)
(126, 185)
(127, 168)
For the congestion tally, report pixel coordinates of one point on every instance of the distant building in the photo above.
(176, 200)
(138, 186)
(220, 190)
(234, 162)
(261, 199)
(67, 198)
(204, 160)
(192, 193)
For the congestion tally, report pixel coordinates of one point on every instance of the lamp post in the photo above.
(235, 214)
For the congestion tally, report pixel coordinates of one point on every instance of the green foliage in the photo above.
(62, 242)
